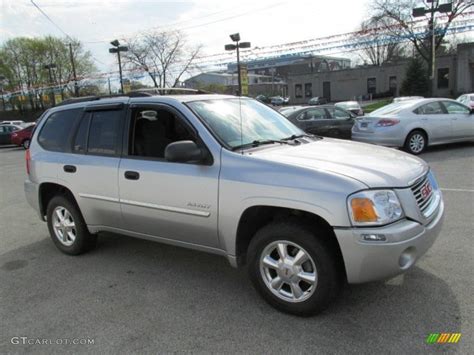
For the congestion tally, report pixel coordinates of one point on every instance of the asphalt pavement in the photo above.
(136, 296)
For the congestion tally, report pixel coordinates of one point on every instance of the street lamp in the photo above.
(117, 49)
(422, 11)
(49, 67)
(232, 47)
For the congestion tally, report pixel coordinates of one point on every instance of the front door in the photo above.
(176, 201)
(462, 121)
(327, 90)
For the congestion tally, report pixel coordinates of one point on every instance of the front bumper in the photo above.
(406, 242)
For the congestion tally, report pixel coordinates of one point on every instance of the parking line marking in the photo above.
(456, 190)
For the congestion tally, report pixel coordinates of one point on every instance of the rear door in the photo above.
(313, 120)
(462, 121)
(435, 120)
(4, 135)
(90, 167)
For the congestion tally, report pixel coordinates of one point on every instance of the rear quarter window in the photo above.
(56, 131)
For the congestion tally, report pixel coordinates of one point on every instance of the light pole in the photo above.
(49, 67)
(422, 11)
(232, 47)
(117, 49)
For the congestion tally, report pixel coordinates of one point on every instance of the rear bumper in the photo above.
(406, 242)
(32, 196)
(385, 136)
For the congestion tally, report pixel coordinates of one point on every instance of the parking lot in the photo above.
(131, 295)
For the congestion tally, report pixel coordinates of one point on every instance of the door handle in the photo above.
(424, 119)
(69, 168)
(132, 175)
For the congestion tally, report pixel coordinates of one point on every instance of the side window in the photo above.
(2, 129)
(55, 133)
(104, 132)
(312, 114)
(433, 108)
(453, 107)
(80, 141)
(338, 113)
(152, 129)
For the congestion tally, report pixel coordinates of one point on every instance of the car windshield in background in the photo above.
(227, 118)
(391, 109)
(348, 105)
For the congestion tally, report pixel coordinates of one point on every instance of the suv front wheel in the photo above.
(293, 269)
(67, 227)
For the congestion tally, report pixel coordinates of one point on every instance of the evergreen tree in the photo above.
(416, 82)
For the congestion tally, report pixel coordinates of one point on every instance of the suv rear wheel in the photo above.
(292, 269)
(67, 227)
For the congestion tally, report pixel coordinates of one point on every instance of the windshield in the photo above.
(391, 109)
(259, 122)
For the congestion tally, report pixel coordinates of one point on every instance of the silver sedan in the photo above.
(414, 125)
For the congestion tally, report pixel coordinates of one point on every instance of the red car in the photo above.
(22, 137)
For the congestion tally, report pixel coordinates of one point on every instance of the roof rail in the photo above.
(76, 100)
(171, 91)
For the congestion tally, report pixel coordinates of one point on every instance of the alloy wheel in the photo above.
(288, 271)
(417, 143)
(64, 226)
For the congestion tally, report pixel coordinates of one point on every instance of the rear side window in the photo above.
(104, 132)
(57, 129)
(80, 142)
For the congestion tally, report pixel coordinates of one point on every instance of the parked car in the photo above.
(5, 132)
(263, 98)
(233, 177)
(288, 109)
(352, 106)
(325, 120)
(278, 101)
(416, 124)
(407, 98)
(317, 101)
(22, 137)
(16, 123)
(467, 99)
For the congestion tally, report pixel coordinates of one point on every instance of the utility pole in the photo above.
(76, 87)
(421, 11)
(110, 90)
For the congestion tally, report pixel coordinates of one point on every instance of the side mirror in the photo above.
(184, 151)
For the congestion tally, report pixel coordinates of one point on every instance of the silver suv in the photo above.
(233, 177)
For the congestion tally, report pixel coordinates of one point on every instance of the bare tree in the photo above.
(403, 25)
(378, 47)
(164, 56)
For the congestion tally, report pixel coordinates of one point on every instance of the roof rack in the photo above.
(136, 93)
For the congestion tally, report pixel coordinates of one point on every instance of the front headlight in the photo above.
(374, 207)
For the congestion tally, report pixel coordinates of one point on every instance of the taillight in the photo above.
(386, 122)
(28, 159)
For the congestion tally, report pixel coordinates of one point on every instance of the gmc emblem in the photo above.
(426, 190)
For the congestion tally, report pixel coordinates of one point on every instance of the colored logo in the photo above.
(426, 190)
(443, 338)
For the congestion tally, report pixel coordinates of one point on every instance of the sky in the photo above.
(205, 22)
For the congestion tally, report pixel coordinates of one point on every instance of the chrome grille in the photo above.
(425, 194)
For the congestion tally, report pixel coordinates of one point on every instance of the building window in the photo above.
(371, 85)
(298, 91)
(392, 85)
(443, 78)
(308, 90)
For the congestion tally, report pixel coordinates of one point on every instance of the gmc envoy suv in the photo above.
(231, 176)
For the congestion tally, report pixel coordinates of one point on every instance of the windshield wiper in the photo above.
(257, 143)
(296, 136)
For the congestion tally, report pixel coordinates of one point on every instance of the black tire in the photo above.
(84, 241)
(26, 144)
(410, 143)
(326, 260)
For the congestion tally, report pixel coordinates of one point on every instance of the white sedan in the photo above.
(416, 124)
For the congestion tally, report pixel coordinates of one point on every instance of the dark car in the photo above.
(263, 98)
(6, 131)
(22, 137)
(326, 120)
(317, 101)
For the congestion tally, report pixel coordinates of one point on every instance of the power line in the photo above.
(50, 20)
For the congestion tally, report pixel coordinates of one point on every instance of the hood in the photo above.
(372, 165)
